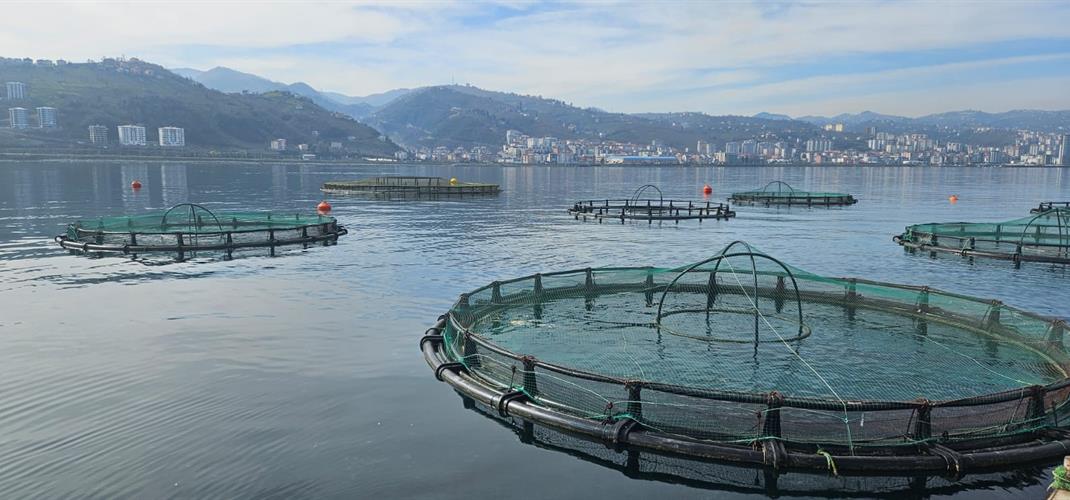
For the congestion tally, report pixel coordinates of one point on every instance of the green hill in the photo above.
(456, 115)
(116, 92)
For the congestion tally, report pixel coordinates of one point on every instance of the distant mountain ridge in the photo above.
(466, 116)
(1032, 119)
(232, 81)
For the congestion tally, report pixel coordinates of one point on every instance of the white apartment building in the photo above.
(16, 90)
(131, 135)
(46, 117)
(172, 136)
(19, 117)
(98, 135)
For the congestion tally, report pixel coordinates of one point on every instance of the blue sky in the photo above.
(898, 57)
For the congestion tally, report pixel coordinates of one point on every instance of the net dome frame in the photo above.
(648, 203)
(780, 193)
(1043, 236)
(937, 436)
(186, 229)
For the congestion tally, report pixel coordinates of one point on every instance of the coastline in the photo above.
(8, 158)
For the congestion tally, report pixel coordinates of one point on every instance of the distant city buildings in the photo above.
(172, 136)
(278, 145)
(16, 90)
(46, 117)
(98, 135)
(18, 117)
(131, 135)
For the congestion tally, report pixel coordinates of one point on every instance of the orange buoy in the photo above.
(953, 198)
(323, 207)
(707, 189)
(136, 184)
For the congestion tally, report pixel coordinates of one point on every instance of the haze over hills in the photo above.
(233, 81)
(114, 92)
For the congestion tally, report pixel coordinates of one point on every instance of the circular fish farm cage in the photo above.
(780, 193)
(395, 186)
(742, 358)
(644, 206)
(189, 230)
(1042, 237)
(1048, 205)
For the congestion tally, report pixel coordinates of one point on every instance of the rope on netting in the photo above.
(754, 303)
(828, 459)
(971, 358)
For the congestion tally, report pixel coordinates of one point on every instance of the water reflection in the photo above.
(298, 375)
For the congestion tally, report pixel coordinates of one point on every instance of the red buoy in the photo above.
(136, 184)
(323, 207)
(953, 198)
(707, 189)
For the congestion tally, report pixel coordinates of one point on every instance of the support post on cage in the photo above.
(711, 291)
(778, 296)
(923, 426)
(496, 293)
(471, 355)
(530, 385)
(771, 422)
(181, 252)
(588, 282)
(1055, 333)
(230, 245)
(1036, 403)
(923, 301)
(635, 400)
(649, 287)
(537, 287)
(992, 317)
(851, 296)
(271, 241)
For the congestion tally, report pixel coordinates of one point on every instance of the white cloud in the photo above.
(621, 56)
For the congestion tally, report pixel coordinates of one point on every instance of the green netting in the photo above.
(1044, 236)
(780, 193)
(190, 218)
(716, 349)
(188, 227)
(647, 203)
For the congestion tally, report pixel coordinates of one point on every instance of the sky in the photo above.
(719, 57)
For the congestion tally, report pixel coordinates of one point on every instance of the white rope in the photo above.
(753, 302)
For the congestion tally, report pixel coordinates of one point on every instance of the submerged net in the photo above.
(742, 348)
(780, 193)
(189, 228)
(1044, 236)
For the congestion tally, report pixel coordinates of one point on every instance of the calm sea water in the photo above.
(299, 376)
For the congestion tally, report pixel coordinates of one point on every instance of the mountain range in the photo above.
(222, 107)
(462, 115)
